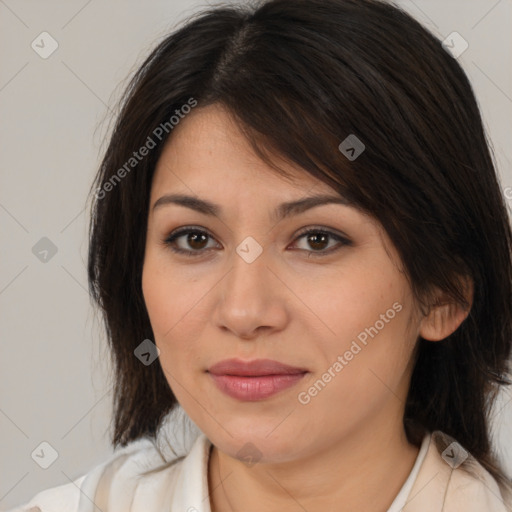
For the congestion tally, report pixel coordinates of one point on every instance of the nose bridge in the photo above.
(248, 297)
(248, 275)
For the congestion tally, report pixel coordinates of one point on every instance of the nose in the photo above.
(250, 299)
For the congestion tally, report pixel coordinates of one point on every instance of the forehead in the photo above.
(207, 151)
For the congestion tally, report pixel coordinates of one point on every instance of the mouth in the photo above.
(254, 380)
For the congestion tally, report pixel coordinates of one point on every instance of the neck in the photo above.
(354, 474)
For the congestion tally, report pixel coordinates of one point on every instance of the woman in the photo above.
(298, 237)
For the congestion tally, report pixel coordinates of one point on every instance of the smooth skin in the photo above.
(300, 302)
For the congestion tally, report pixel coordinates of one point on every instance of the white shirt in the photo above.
(401, 498)
(118, 485)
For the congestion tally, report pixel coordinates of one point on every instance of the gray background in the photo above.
(54, 366)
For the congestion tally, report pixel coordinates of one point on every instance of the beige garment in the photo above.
(448, 480)
(451, 480)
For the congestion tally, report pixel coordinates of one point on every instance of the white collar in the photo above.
(181, 484)
(191, 490)
(401, 498)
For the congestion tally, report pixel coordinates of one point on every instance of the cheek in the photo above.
(166, 295)
(158, 297)
(174, 308)
(163, 300)
(368, 314)
(359, 380)
(374, 362)
(349, 303)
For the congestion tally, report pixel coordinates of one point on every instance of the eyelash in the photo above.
(318, 231)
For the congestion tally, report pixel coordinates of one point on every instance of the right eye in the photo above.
(193, 237)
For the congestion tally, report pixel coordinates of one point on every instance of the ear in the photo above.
(445, 316)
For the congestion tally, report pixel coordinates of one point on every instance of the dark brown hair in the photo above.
(299, 76)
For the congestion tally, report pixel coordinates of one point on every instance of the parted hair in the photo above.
(298, 77)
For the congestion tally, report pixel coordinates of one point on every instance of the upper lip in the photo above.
(253, 368)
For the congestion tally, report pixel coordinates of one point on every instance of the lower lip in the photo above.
(255, 388)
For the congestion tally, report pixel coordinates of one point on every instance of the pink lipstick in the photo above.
(254, 380)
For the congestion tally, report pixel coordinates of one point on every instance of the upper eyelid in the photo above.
(179, 232)
(186, 229)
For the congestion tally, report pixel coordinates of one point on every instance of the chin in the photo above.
(255, 443)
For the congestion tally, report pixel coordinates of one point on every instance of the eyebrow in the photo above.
(282, 211)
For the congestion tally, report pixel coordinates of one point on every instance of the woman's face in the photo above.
(256, 287)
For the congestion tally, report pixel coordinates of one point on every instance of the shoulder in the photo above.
(451, 479)
(121, 470)
(473, 486)
(62, 497)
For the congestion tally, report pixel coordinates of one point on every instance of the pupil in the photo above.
(314, 240)
(317, 241)
(193, 239)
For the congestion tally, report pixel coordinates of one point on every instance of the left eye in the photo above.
(318, 240)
